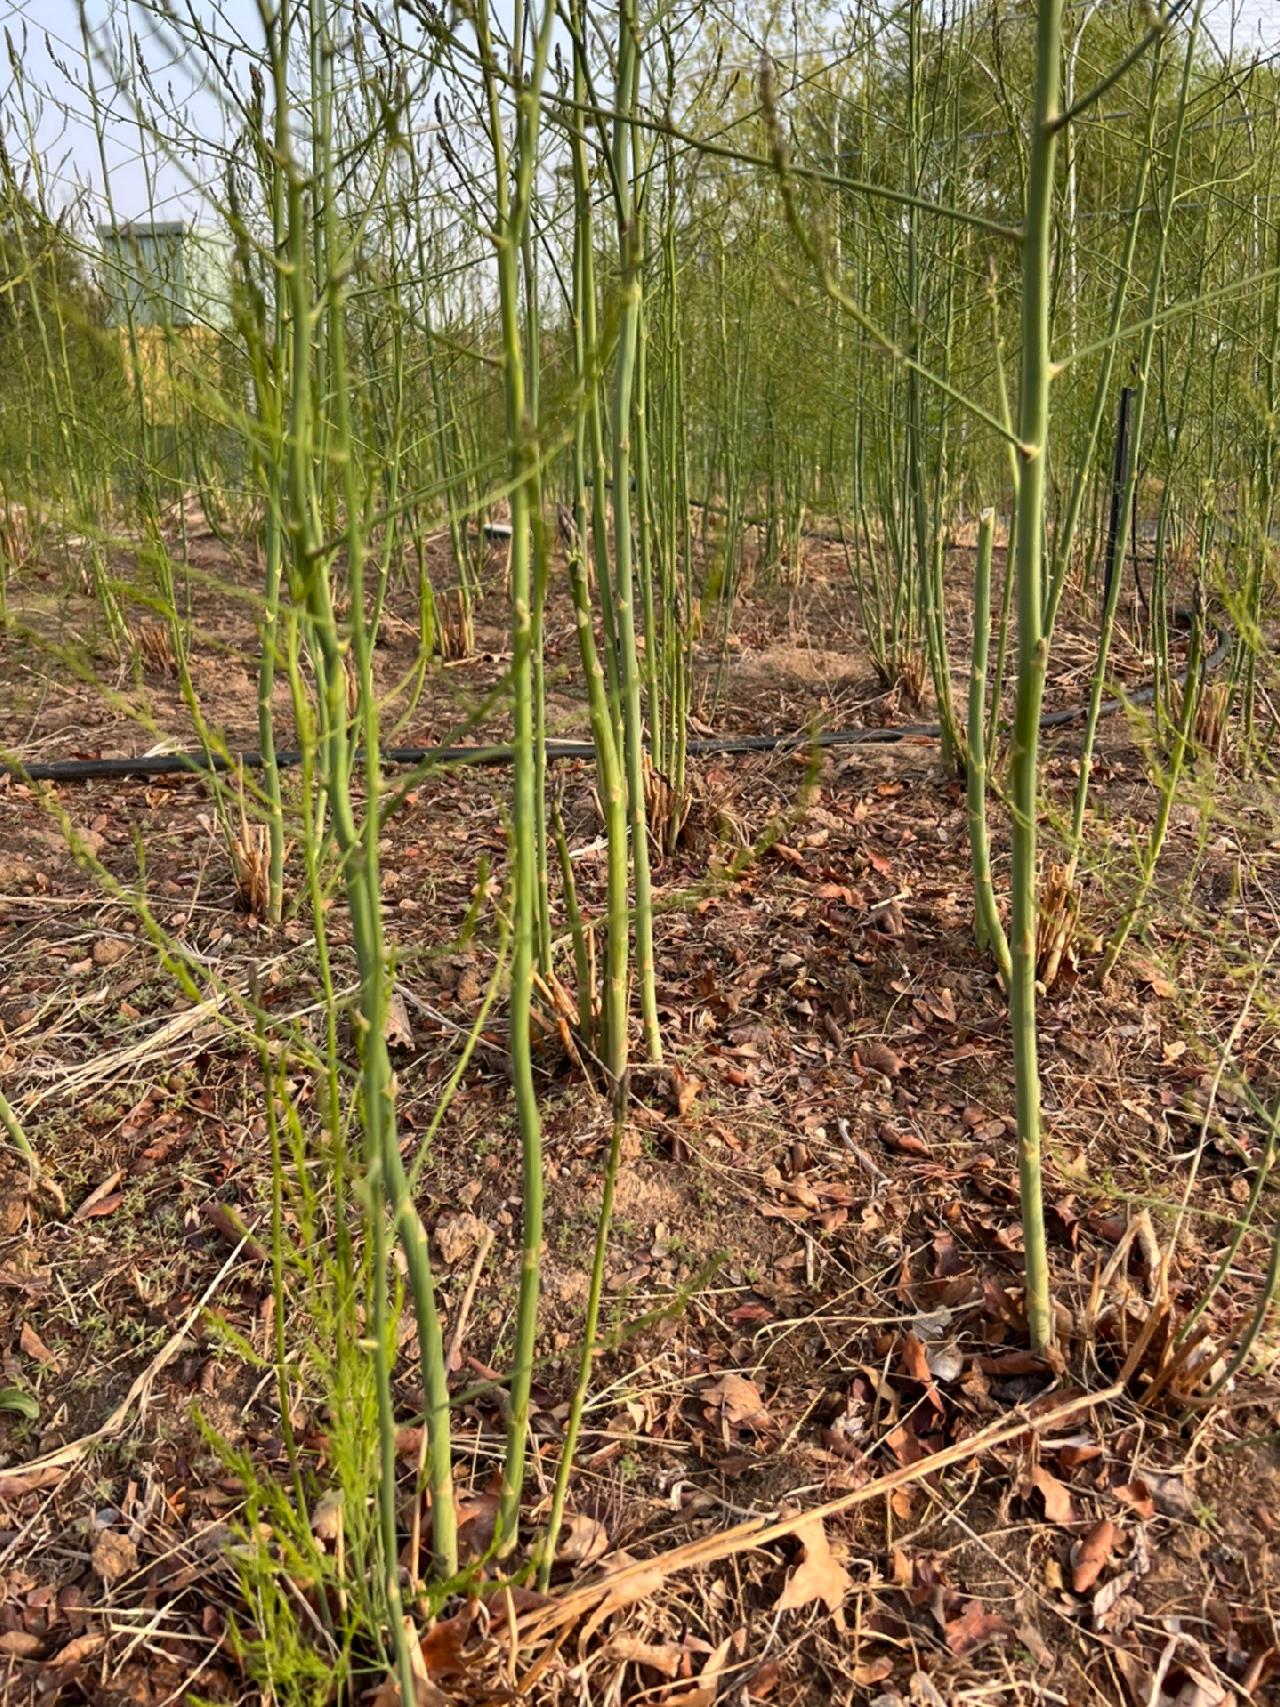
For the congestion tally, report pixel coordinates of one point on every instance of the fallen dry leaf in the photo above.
(684, 1089)
(1090, 1555)
(1201, 1690)
(1059, 1507)
(1072, 1456)
(98, 1199)
(1170, 1494)
(1137, 1496)
(916, 1363)
(621, 1595)
(974, 1628)
(425, 1693)
(15, 1199)
(79, 1648)
(477, 1515)
(665, 1658)
(906, 1143)
(1114, 1608)
(30, 1342)
(440, 1648)
(946, 1362)
(765, 1681)
(1146, 972)
(586, 1539)
(739, 1402)
(396, 1028)
(15, 1483)
(879, 1057)
(706, 1690)
(326, 1519)
(457, 1236)
(925, 1692)
(22, 1644)
(229, 1225)
(509, 1599)
(114, 1556)
(1011, 1363)
(819, 1575)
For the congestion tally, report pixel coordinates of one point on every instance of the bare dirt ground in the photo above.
(814, 1280)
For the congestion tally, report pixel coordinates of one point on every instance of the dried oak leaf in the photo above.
(22, 1644)
(974, 1628)
(14, 1484)
(1059, 1507)
(458, 1235)
(441, 1647)
(667, 1659)
(906, 1143)
(819, 1575)
(396, 1028)
(114, 1556)
(706, 1691)
(584, 1539)
(29, 1341)
(739, 1402)
(1137, 1496)
(1090, 1554)
(78, 1649)
(879, 1057)
(326, 1519)
(425, 1693)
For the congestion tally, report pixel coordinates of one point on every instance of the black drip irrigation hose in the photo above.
(197, 763)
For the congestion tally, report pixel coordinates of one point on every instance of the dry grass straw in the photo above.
(249, 845)
(640, 1579)
(48, 1468)
(1209, 730)
(1056, 926)
(153, 642)
(911, 676)
(16, 545)
(176, 1034)
(667, 813)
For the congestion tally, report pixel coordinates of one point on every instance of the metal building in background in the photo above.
(167, 272)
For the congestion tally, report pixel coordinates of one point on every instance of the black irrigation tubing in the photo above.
(172, 764)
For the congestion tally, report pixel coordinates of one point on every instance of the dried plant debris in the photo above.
(820, 1461)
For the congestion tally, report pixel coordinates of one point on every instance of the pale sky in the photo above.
(1258, 19)
(141, 181)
